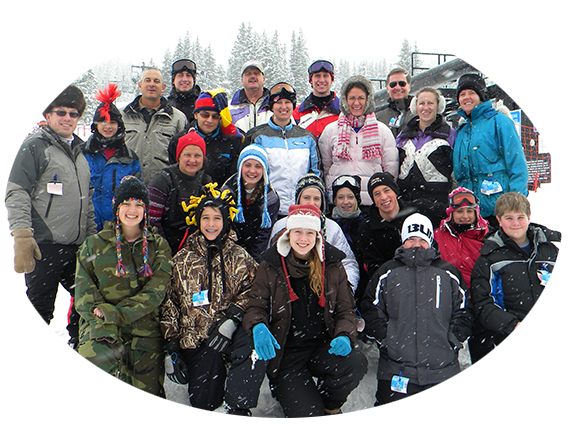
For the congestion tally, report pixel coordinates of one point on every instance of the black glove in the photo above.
(176, 369)
(222, 332)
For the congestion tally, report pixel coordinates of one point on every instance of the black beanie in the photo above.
(472, 82)
(71, 97)
(352, 182)
(130, 187)
(382, 178)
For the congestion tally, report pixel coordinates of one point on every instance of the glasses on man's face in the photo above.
(63, 113)
(393, 84)
(205, 115)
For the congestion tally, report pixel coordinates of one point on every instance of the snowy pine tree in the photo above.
(89, 85)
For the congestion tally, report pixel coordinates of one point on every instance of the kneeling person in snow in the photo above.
(416, 307)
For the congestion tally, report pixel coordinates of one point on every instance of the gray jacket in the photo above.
(66, 218)
(150, 140)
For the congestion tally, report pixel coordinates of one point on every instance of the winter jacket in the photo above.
(247, 115)
(130, 303)
(150, 140)
(292, 153)
(185, 101)
(395, 114)
(334, 166)
(308, 116)
(417, 306)
(190, 323)
(334, 235)
(506, 282)
(425, 161)
(167, 190)
(250, 235)
(269, 301)
(461, 249)
(488, 147)
(222, 153)
(106, 174)
(45, 158)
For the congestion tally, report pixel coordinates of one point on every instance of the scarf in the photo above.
(298, 270)
(371, 146)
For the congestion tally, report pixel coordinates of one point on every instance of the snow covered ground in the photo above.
(548, 208)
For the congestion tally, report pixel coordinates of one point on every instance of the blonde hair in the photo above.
(512, 202)
(316, 282)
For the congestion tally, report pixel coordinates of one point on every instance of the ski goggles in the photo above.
(180, 65)
(393, 84)
(321, 65)
(463, 199)
(282, 91)
(353, 181)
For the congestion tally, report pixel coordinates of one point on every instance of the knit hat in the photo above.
(191, 138)
(382, 178)
(131, 188)
(282, 90)
(472, 82)
(258, 153)
(305, 216)
(107, 110)
(71, 97)
(417, 225)
(462, 197)
(216, 100)
(352, 182)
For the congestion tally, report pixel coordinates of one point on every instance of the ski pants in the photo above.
(336, 377)
(533, 362)
(135, 360)
(429, 401)
(57, 266)
(209, 380)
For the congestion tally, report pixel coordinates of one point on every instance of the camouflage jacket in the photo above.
(191, 323)
(131, 303)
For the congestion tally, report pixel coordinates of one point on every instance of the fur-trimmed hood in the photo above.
(370, 104)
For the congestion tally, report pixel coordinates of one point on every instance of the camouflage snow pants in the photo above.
(138, 362)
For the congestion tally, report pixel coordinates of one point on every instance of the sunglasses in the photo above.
(205, 115)
(463, 198)
(180, 65)
(392, 84)
(320, 65)
(63, 113)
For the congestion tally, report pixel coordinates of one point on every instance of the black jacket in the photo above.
(185, 102)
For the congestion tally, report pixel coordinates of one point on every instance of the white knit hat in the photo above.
(417, 225)
(305, 216)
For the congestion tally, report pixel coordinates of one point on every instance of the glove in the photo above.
(175, 367)
(222, 333)
(265, 342)
(340, 346)
(26, 250)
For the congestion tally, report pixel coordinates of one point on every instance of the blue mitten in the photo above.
(265, 342)
(340, 346)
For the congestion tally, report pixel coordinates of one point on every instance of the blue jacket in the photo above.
(106, 175)
(488, 147)
(292, 153)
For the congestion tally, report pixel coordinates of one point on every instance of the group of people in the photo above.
(218, 242)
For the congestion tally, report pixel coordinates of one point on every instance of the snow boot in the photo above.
(27, 360)
(500, 393)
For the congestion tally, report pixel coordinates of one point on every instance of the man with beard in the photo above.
(184, 91)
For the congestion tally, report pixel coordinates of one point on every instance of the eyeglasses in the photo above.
(206, 114)
(351, 180)
(392, 84)
(463, 198)
(180, 65)
(63, 113)
(320, 65)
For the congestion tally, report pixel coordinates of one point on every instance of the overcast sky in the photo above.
(138, 31)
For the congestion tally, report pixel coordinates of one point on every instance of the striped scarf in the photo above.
(371, 146)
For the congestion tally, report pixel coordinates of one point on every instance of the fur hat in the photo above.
(382, 178)
(472, 82)
(71, 97)
(352, 82)
(131, 188)
(305, 216)
(191, 138)
(417, 225)
(258, 153)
